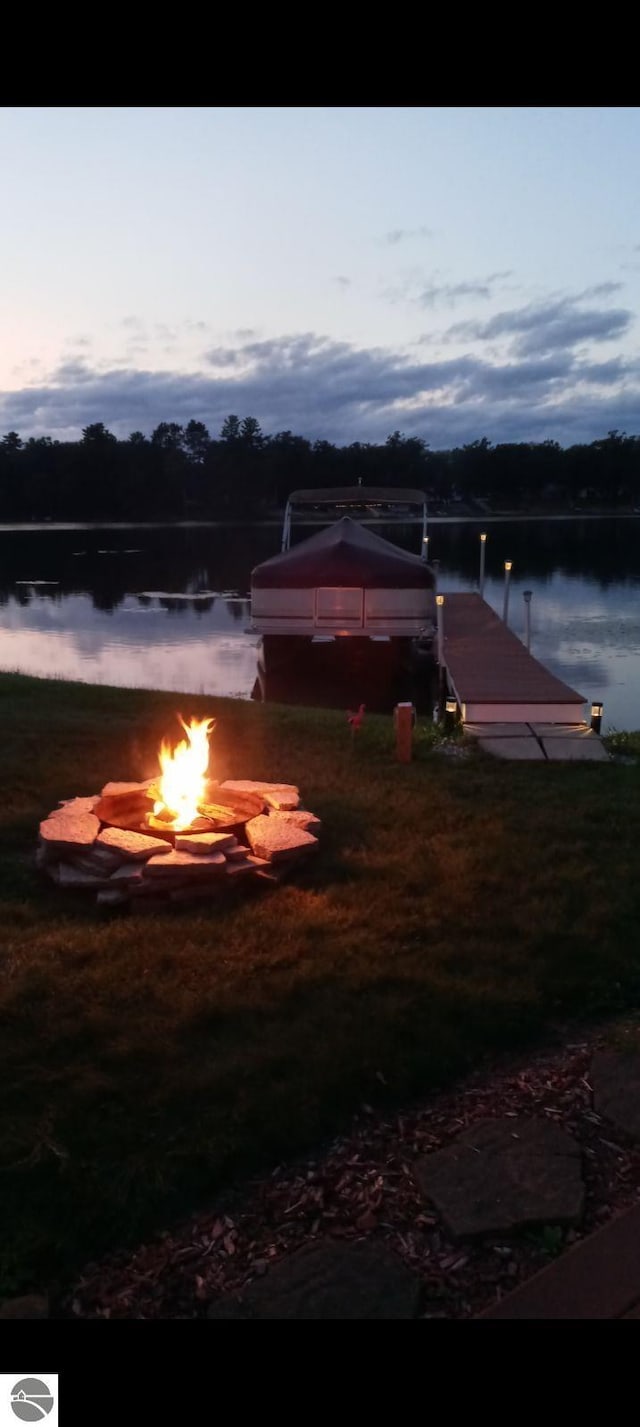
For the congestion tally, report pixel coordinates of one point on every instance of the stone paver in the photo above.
(572, 749)
(563, 730)
(616, 1089)
(503, 1175)
(332, 1281)
(524, 749)
(497, 730)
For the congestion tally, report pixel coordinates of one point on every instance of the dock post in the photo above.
(425, 549)
(442, 688)
(526, 595)
(483, 551)
(507, 579)
(435, 566)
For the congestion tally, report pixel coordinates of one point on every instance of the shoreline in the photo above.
(267, 522)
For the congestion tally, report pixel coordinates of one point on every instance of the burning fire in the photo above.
(184, 771)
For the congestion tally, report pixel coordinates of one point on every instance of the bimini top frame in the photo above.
(374, 503)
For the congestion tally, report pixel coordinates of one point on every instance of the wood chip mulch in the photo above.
(362, 1186)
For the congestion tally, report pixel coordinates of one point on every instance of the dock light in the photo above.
(440, 599)
(526, 595)
(450, 714)
(508, 566)
(483, 550)
(596, 717)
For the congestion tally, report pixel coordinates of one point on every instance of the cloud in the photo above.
(404, 235)
(450, 293)
(321, 388)
(550, 325)
(342, 281)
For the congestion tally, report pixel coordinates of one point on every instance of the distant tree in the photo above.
(12, 441)
(196, 440)
(97, 435)
(137, 438)
(168, 435)
(230, 429)
(251, 432)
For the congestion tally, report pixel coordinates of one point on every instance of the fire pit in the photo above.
(178, 836)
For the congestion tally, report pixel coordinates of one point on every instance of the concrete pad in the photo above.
(563, 730)
(573, 749)
(525, 749)
(497, 730)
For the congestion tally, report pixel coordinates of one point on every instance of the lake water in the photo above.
(167, 607)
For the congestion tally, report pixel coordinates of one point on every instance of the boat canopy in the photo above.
(344, 555)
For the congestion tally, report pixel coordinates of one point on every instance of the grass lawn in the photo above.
(457, 907)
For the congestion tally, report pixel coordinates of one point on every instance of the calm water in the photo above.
(168, 607)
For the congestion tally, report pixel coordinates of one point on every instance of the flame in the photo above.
(184, 771)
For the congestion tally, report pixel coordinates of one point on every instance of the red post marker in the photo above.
(403, 718)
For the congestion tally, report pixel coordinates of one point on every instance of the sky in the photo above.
(341, 273)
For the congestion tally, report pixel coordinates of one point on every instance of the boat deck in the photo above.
(493, 677)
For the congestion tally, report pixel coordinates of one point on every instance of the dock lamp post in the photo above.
(483, 551)
(526, 595)
(508, 564)
(450, 714)
(440, 637)
(596, 717)
(425, 548)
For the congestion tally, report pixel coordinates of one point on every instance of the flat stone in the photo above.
(275, 840)
(503, 1175)
(330, 1280)
(79, 805)
(301, 818)
(525, 749)
(135, 845)
(245, 864)
(185, 864)
(240, 851)
(563, 730)
(111, 788)
(572, 749)
(281, 796)
(111, 897)
(102, 860)
(497, 730)
(73, 877)
(615, 1076)
(129, 875)
(200, 843)
(70, 828)
(30, 1305)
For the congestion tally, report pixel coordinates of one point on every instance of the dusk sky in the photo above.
(453, 273)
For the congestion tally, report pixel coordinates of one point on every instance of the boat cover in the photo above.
(345, 555)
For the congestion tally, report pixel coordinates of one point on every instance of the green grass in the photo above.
(457, 907)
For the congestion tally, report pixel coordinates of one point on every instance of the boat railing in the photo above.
(379, 503)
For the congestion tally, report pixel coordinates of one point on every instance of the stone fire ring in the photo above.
(112, 845)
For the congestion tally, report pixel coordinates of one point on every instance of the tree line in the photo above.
(184, 473)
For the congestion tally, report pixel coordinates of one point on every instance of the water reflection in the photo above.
(168, 607)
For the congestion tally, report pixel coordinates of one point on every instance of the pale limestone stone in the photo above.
(70, 828)
(497, 730)
(79, 805)
(563, 730)
(99, 860)
(112, 897)
(135, 845)
(281, 796)
(301, 818)
(72, 877)
(276, 840)
(128, 875)
(200, 843)
(111, 788)
(186, 864)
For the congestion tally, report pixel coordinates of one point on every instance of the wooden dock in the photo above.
(493, 677)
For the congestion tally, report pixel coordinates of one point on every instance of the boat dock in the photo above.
(515, 706)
